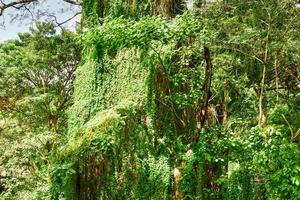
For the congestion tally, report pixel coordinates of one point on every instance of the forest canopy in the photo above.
(162, 99)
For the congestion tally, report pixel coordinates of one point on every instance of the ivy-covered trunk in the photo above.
(149, 119)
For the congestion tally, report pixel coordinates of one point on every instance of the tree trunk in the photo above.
(206, 90)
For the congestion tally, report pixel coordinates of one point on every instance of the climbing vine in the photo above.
(181, 100)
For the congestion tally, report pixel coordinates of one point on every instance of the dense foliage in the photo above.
(172, 100)
(37, 73)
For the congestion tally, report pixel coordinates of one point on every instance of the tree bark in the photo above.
(207, 86)
(206, 90)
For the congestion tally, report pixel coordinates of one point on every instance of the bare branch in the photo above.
(15, 4)
(59, 24)
(74, 2)
(18, 4)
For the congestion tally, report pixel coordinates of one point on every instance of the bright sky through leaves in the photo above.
(9, 28)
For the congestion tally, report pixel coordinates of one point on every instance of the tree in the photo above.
(41, 72)
(199, 123)
(37, 74)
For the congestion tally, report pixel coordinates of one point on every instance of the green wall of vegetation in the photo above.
(171, 103)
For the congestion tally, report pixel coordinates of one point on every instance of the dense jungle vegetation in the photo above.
(153, 100)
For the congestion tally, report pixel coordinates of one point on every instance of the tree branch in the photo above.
(15, 4)
(18, 4)
(59, 24)
(74, 2)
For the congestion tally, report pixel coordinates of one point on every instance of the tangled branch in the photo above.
(18, 4)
